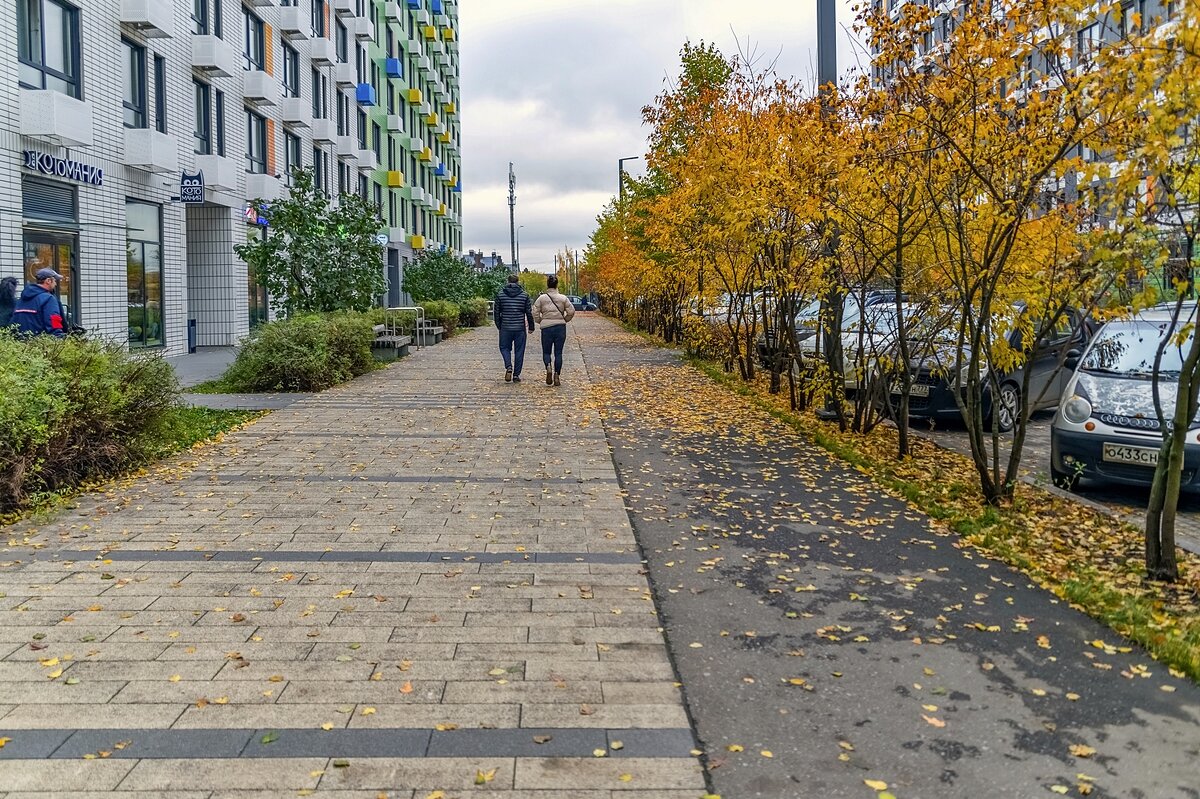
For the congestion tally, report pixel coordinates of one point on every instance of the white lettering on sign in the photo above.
(62, 168)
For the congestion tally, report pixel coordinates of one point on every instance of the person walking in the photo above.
(513, 314)
(39, 311)
(552, 311)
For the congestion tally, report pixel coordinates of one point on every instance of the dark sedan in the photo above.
(934, 382)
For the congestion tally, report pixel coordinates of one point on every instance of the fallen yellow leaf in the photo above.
(368, 711)
(876, 785)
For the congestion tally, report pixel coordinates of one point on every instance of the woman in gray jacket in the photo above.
(552, 311)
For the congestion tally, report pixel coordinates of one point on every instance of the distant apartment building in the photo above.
(484, 263)
(135, 133)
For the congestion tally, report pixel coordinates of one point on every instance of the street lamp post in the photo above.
(621, 174)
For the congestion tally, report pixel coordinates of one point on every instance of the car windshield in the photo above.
(1130, 347)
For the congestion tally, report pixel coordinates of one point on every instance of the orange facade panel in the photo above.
(269, 55)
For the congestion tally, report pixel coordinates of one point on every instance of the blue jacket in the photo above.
(38, 311)
(514, 310)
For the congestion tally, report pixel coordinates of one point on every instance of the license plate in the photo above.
(1120, 453)
(916, 390)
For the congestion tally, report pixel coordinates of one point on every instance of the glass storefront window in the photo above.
(143, 251)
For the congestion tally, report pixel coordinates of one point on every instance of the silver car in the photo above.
(1106, 427)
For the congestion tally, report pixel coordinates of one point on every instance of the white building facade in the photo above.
(116, 111)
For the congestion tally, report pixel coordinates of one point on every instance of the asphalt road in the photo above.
(826, 634)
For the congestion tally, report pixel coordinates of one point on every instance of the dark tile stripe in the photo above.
(216, 478)
(209, 744)
(355, 556)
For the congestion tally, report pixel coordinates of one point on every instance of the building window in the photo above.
(255, 44)
(143, 268)
(392, 209)
(319, 177)
(377, 140)
(342, 40)
(291, 156)
(378, 199)
(343, 178)
(48, 45)
(200, 17)
(160, 94)
(362, 130)
(220, 115)
(318, 16)
(291, 71)
(362, 187)
(320, 95)
(133, 59)
(203, 131)
(256, 143)
(343, 119)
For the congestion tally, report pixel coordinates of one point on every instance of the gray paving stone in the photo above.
(83, 717)
(516, 743)
(448, 774)
(156, 744)
(57, 778)
(182, 774)
(648, 773)
(347, 743)
(33, 744)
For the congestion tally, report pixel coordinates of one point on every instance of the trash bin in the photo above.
(191, 335)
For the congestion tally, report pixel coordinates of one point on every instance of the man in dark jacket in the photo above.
(38, 310)
(514, 317)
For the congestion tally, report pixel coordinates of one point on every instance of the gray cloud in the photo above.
(557, 87)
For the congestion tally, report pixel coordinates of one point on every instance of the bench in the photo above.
(389, 344)
(430, 332)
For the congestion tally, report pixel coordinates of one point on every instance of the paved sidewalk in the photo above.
(422, 581)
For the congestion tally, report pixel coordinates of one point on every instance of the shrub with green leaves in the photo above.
(73, 410)
(444, 313)
(473, 312)
(304, 353)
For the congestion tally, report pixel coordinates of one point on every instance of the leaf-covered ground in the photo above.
(834, 639)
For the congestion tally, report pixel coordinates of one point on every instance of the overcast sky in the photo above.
(557, 87)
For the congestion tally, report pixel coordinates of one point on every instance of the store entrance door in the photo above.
(57, 251)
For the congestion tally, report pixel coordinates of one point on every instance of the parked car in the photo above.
(580, 303)
(808, 321)
(1106, 427)
(934, 381)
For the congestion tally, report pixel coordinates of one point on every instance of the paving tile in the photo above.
(57, 777)
(339, 743)
(85, 717)
(32, 744)
(647, 773)
(256, 774)
(448, 774)
(516, 743)
(157, 744)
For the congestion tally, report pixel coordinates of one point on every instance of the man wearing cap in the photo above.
(38, 310)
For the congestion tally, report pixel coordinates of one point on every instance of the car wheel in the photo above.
(1008, 410)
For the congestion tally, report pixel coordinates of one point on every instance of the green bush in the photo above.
(304, 353)
(444, 313)
(73, 410)
(473, 312)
